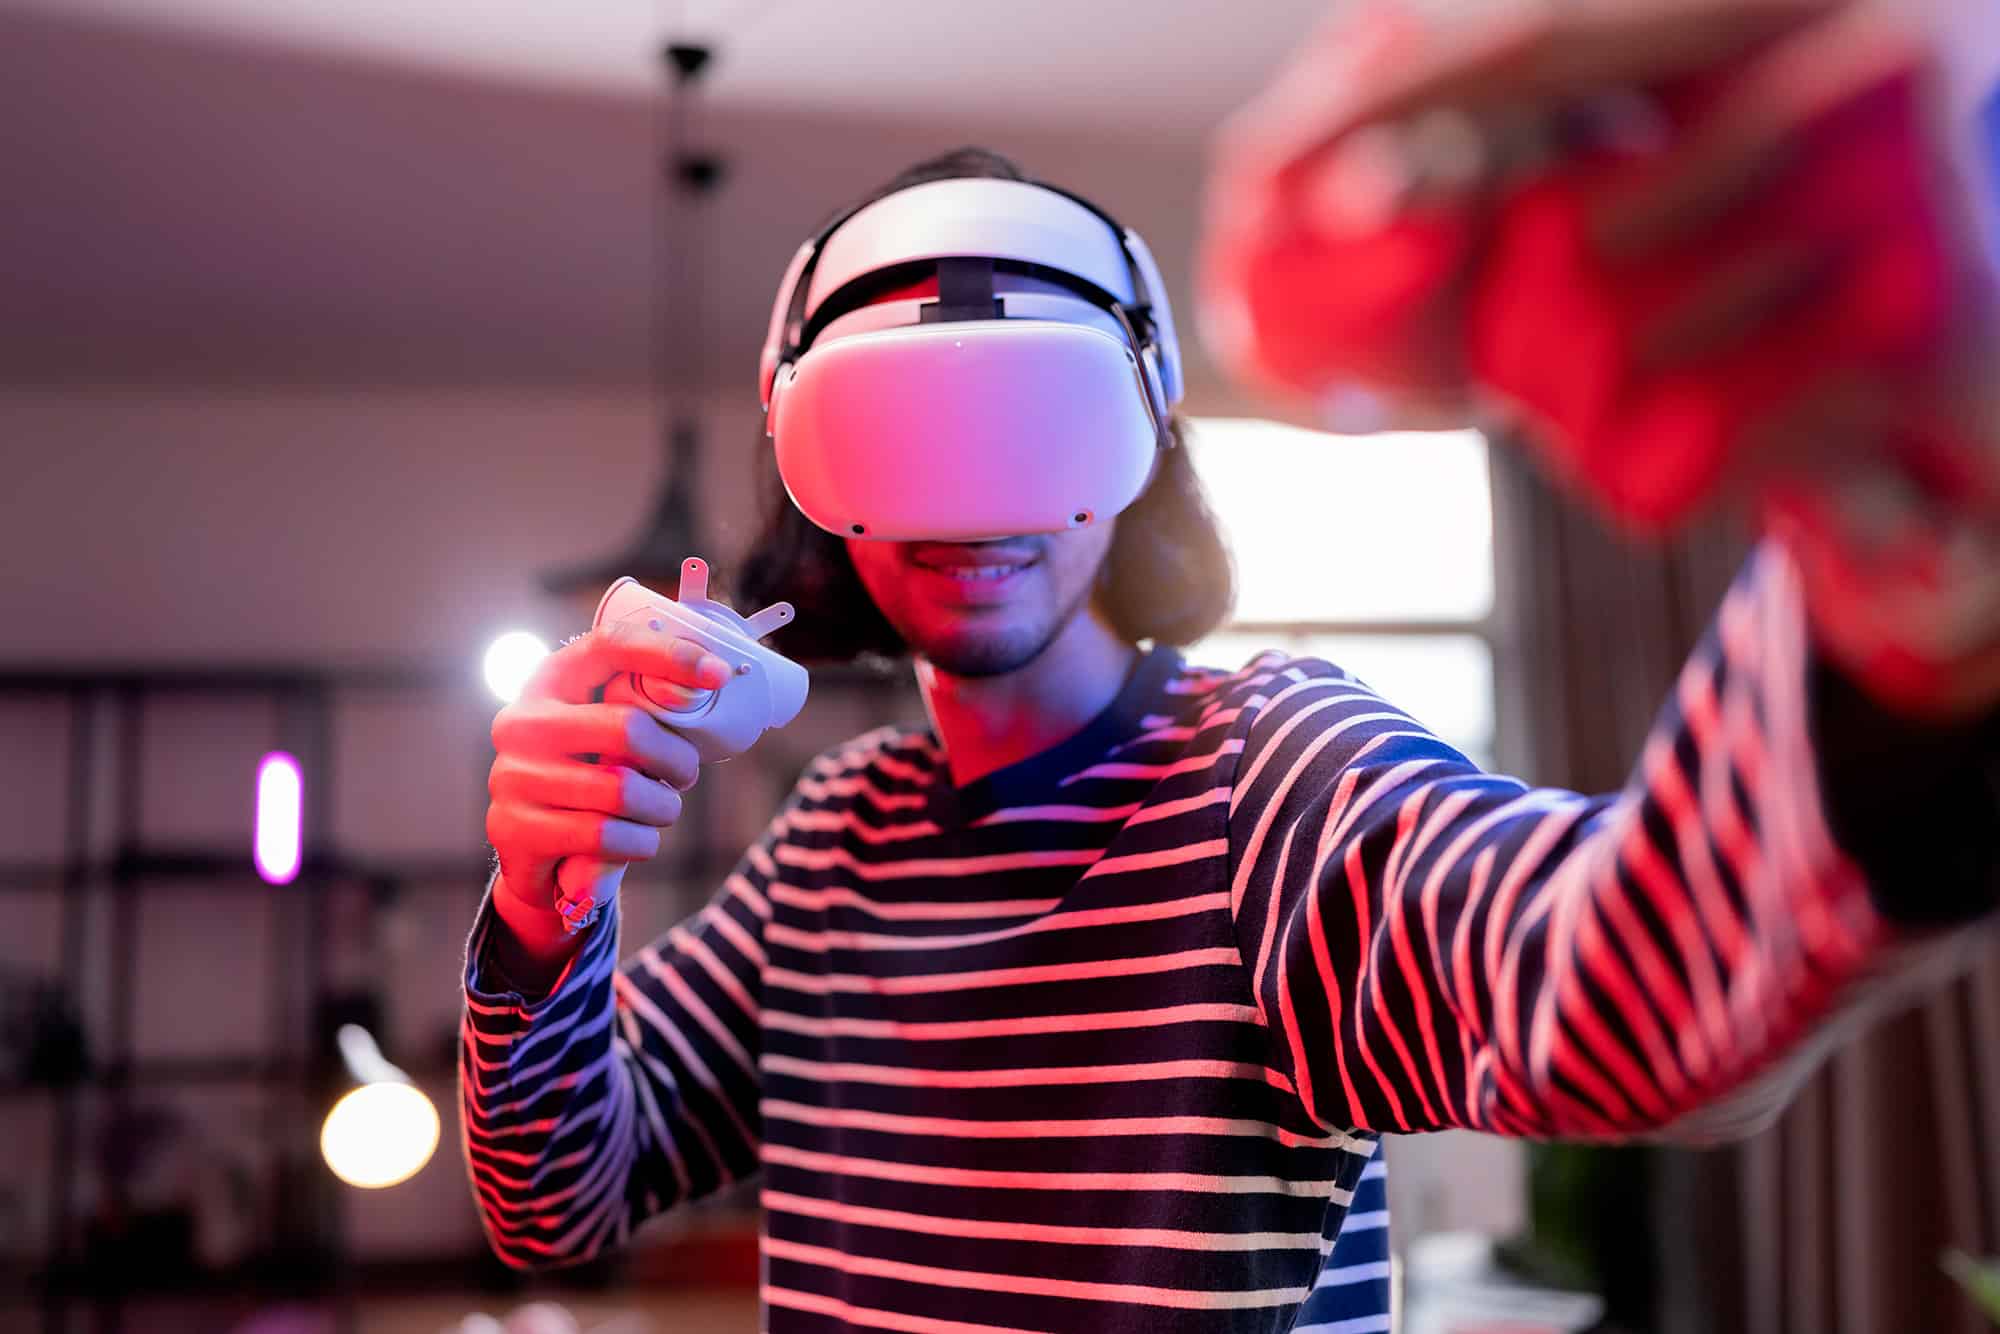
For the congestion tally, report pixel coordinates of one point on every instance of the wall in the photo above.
(153, 528)
(310, 362)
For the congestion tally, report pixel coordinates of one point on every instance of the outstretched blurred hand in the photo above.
(1681, 246)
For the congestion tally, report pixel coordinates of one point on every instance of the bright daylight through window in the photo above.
(1376, 554)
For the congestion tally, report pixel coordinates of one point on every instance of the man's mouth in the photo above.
(974, 562)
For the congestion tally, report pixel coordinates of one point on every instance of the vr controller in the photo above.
(766, 690)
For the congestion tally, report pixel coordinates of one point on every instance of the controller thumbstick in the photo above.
(768, 691)
(676, 701)
(670, 697)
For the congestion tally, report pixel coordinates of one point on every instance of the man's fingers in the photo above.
(577, 670)
(653, 692)
(618, 733)
(1398, 62)
(1846, 78)
(644, 649)
(1691, 193)
(546, 834)
(592, 788)
(1729, 308)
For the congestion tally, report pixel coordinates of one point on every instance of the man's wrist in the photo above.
(1915, 803)
(529, 943)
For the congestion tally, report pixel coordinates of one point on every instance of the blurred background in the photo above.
(339, 341)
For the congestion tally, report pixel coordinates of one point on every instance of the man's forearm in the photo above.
(535, 1073)
(1458, 951)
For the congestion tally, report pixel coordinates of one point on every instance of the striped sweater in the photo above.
(1104, 1041)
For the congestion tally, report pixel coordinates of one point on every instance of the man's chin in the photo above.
(982, 655)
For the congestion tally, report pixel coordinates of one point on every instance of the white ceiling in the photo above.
(1160, 67)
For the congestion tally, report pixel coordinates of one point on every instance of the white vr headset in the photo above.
(1030, 395)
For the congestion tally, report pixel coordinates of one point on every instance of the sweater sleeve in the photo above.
(627, 1088)
(1431, 946)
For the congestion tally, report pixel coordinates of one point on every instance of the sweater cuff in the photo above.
(498, 1008)
(1915, 804)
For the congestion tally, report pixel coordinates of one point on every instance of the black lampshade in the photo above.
(670, 534)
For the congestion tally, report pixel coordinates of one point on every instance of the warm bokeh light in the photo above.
(280, 807)
(379, 1134)
(510, 661)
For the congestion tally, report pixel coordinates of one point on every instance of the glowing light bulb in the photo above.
(379, 1134)
(510, 661)
(280, 803)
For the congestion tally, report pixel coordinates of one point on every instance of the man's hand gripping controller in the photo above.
(766, 690)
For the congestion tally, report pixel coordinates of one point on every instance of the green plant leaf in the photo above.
(1980, 1278)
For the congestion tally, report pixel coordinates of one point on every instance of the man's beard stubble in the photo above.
(976, 656)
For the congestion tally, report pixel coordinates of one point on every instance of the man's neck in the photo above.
(989, 722)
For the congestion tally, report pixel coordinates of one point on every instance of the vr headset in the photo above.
(1029, 394)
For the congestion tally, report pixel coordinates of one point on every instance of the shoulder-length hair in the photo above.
(1167, 577)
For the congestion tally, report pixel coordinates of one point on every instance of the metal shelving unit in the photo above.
(106, 711)
(106, 867)
(113, 1074)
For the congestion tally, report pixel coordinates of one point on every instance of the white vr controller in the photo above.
(766, 690)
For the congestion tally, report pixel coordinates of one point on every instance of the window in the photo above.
(1372, 552)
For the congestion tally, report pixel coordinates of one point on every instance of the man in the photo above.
(1082, 1008)
(1033, 678)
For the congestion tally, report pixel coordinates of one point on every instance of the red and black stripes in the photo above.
(1103, 1041)
(1437, 947)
